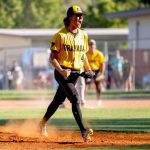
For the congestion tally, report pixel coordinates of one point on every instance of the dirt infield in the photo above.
(69, 139)
(21, 138)
(122, 103)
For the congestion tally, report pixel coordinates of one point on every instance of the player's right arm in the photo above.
(56, 65)
(55, 49)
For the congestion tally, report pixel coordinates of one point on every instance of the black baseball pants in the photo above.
(66, 89)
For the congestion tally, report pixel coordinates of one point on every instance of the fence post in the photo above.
(133, 60)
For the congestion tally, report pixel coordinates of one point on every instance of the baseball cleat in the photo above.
(42, 129)
(87, 135)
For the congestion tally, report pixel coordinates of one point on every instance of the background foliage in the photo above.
(50, 13)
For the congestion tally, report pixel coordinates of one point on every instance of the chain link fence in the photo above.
(38, 73)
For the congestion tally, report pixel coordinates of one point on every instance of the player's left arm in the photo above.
(102, 65)
(88, 72)
(103, 68)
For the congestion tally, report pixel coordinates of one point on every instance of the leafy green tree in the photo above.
(40, 14)
(133, 4)
(50, 13)
(145, 2)
(9, 9)
(31, 13)
(96, 15)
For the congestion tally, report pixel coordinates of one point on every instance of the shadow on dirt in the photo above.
(116, 125)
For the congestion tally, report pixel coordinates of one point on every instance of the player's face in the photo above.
(77, 20)
(92, 48)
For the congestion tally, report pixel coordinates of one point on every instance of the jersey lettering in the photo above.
(74, 48)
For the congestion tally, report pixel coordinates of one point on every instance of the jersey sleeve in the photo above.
(102, 57)
(55, 43)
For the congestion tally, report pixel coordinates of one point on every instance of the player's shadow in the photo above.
(121, 125)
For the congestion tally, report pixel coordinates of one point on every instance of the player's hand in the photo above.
(66, 72)
(100, 76)
(88, 74)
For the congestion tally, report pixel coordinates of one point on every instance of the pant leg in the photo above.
(68, 86)
(65, 89)
(58, 99)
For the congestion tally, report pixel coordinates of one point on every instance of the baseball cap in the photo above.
(74, 10)
(92, 42)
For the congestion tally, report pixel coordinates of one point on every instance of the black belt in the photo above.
(72, 69)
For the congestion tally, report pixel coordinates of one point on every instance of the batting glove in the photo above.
(88, 74)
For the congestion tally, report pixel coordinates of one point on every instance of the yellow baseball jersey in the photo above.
(95, 60)
(71, 48)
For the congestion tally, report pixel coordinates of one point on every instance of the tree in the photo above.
(31, 14)
(9, 9)
(50, 13)
(96, 15)
(97, 10)
(145, 2)
(40, 14)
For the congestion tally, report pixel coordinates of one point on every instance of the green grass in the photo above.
(140, 147)
(104, 119)
(118, 120)
(47, 94)
(26, 94)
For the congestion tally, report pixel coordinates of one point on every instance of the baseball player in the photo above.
(68, 56)
(97, 63)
